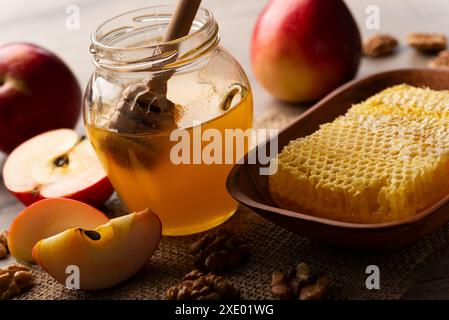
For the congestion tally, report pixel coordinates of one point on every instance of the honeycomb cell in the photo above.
(384, 160)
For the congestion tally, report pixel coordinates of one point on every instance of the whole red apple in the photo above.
(303, 49)
(38, 92)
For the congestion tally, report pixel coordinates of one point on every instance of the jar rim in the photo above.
(204, 33)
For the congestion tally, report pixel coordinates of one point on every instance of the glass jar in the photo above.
(165, 118)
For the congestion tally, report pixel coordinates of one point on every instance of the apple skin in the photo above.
(123, 247)
(303, 49)
(96, 195)
(38, 92)
(47, 218)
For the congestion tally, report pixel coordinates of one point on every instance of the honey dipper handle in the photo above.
(182, 19)
(179, 26)
(156, 96)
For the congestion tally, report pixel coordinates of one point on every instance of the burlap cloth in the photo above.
(273, 249)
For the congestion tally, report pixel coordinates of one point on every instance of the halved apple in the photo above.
(55, 164)
(46, 218)
(105, 256)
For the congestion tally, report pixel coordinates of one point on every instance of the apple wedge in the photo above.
(105, 256)
(56, 164)
(46, 218)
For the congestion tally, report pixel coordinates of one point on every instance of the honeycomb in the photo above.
(386, 159)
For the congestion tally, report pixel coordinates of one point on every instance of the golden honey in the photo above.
(385, 160)
(187, 197)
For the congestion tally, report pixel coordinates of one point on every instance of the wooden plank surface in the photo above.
(43, 22)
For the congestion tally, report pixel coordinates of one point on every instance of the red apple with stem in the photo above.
(38, 92)
(303, 49)
(56, 164)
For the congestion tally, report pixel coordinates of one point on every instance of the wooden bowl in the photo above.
(250, 188)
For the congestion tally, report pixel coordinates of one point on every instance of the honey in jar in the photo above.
(211, 100)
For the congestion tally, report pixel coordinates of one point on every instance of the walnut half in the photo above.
(14, 279)
(441, 61)
(197, 285)
(219, 250)
(299, 284)
(379, 45)
(427, 42)
(3, 245)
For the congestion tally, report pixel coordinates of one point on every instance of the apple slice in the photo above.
(105, 256)
(56, 164)
(46, 218)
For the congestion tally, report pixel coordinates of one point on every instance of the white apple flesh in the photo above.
(56, 164)
(105, 256)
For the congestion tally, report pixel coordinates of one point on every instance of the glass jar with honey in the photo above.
(165, 117)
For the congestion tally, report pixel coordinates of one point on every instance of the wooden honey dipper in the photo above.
(144, 108)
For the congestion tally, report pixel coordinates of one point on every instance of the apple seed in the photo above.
(91, 234)
(61, 161)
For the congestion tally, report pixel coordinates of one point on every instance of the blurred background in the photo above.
(44, 22)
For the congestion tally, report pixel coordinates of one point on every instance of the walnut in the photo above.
(219, 250)
(315, 291)
(3, 245)
(379, 45)
(199, 286)
(280, 287)
(298, 283)
(441, 61)
(427, 42)
(14, 279)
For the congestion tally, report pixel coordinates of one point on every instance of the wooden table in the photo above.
(43, 22)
